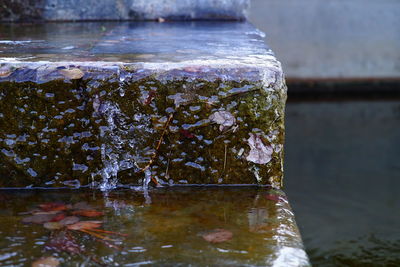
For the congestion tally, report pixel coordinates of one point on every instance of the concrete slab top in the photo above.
(144, 46)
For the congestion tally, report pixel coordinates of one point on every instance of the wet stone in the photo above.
(104, 104)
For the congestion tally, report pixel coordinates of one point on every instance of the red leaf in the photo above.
(88, 213)
(64, 242)
(58, 217)
(187, 134)
(152, 95)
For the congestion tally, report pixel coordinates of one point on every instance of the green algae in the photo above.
(75, 133)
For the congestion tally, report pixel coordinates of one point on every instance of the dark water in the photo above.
(162, 228)
(343, 178)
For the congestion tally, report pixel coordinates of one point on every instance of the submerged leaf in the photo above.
(53, 225)
(64, 242)
(88, 213)
(259, 153)
(85, 225)
(218, 236)
(46, 262)
(58, 217)
(69, 220)
(38, 218)
(45, 212)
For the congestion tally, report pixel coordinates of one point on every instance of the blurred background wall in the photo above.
(332, 38)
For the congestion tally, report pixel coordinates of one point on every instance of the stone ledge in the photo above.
(121, 106)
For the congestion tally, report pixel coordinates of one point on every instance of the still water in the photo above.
(342, 177)
(175, 227)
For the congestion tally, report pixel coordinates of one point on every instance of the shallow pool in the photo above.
(164, 227)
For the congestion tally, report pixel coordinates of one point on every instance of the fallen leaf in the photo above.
(40, 212)
(259, 153)
(58, 217)
(5, 72)
(38, 218)
(150, 97)
(64, 242)
(82, 206)
(85, 225)
(69, 220)
(53, 225)
(186, 134)
(88, 213)
(46, 262)
(218, 236)
(72, 73)
(224, 118)
(52, 206)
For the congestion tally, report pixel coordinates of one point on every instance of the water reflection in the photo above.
(188, 226)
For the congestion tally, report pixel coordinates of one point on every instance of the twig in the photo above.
(158, 147)
(109, 244)
(225, 157)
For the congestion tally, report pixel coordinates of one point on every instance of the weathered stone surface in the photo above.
(109, 100)
(66, 10)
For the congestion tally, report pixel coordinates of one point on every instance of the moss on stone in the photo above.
(60, 131)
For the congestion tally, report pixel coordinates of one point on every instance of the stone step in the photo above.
(131, 103)
(73, 10)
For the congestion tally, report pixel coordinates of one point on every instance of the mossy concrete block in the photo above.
(104, 104)
(67, 10)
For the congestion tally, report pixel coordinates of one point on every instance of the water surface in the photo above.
(342, 173)
(163, 228)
